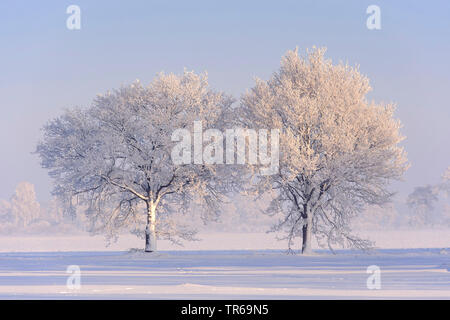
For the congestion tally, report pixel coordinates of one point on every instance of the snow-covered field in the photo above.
(384, 239)
(258, 270)
(225, 274)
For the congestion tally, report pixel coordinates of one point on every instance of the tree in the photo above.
(5, 212)
(24, 206)
(54, 212)
(24, 214)
(338, 152)
(115, 157)
(445, 184)
(422, 202)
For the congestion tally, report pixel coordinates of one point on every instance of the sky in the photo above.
(45, 67)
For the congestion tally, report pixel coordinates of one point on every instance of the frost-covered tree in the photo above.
(445, 185)
(422, 202)
(23, 205)
(5, 212)
(446, 189)
(23, 214)
(115, 157)
(54, 211)
(338, 152)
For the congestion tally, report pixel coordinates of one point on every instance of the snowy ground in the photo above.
(225, 274)
(197, 272)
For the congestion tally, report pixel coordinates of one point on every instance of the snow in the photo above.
(223, 266)
(268, 274)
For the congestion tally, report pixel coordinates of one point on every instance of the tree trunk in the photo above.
(150, 229)
(307, 227)
(306, 246)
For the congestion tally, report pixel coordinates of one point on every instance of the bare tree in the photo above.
(115, 157)
(338, 152)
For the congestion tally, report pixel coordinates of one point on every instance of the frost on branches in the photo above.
(338, 151)
(115, 157)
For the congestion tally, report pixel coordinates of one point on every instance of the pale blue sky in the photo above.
(44, 67)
